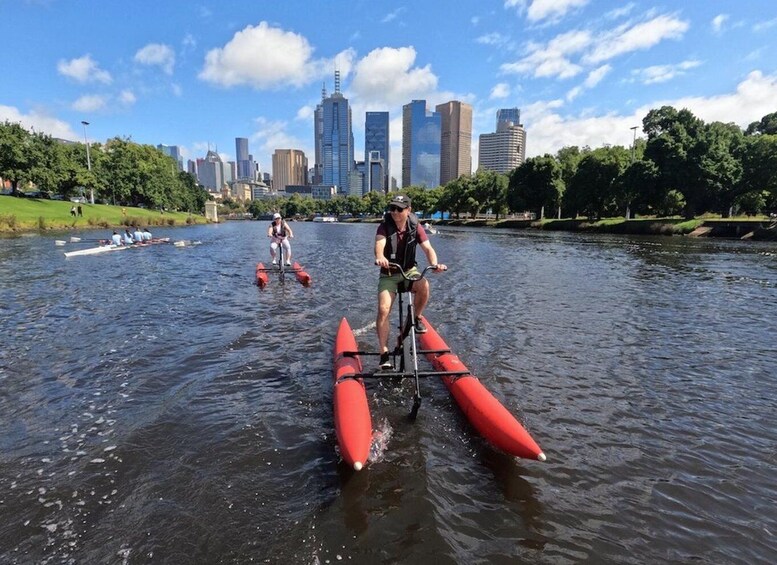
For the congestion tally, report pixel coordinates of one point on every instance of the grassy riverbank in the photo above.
(742, 228)
(27, 214)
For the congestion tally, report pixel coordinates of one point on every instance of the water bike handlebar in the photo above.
(395, 266)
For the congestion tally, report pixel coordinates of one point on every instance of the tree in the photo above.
(766, 126)
(759, 169)
(671, 136)
(593, 188)
(489, 189)
(17, 156)
(535, 185)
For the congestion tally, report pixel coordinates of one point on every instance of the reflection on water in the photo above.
(156, 406)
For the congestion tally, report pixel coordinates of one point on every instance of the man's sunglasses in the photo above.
(395, 209)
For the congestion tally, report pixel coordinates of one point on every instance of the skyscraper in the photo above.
(318, 137)
(420, 145)
(505, 149)
(289, 167)
(173, 151)
(337, 142)
(455, 140)
(243, 158)
(210, 171)
(508, 115)
(376, 148)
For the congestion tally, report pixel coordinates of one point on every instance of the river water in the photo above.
(157, 407)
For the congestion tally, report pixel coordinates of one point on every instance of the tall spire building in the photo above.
(337, 140)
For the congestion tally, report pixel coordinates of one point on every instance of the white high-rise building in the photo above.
(505, 149)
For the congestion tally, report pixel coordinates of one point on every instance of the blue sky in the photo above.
(191, 74)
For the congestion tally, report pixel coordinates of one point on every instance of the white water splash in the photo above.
(365, 329)
(381, 437)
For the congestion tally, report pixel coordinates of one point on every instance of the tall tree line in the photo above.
(121, 173)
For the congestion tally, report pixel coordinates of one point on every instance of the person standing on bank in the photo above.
(396, 240)
(280, 232)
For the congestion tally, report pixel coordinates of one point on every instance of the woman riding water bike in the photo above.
(280, 232)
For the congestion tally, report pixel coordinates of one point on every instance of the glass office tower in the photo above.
(376, 147)
(337, 146)
(420, 145)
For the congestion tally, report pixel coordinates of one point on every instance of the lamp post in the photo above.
(633, 147)
(88, 164)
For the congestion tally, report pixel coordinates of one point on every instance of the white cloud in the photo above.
(663, 73)
(84, 70)
(500, 90)
(387, 76)
(552, 9)
(127, 97)
(272, 135)
(761, 26)
(267, 57)
(392, 15)
(548, 130)
(620, 12)
(38, 122)
(718, 21)
(305, 113)
(157, 54)
(493, 38)
(569, 53)
(593, 78)
(626, 38)
(90, 103)
(551, 60)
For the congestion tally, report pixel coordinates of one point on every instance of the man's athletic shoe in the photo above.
(420, 327)
(385, 361)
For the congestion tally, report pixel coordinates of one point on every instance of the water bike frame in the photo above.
(405, 354)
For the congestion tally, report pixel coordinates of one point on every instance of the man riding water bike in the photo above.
(280, 232)
(396, 240)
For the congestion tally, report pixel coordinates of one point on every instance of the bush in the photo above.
(9, 220)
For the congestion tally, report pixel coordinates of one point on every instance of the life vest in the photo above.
(409, 243)
(281, 232)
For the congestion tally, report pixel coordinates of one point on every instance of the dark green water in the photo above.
(156, 407)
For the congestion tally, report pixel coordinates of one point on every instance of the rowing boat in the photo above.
(108, 248)
(489, 417)
(96, 250)
(353, 423)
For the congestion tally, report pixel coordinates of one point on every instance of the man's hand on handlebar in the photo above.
(440, 267)
(382, 262)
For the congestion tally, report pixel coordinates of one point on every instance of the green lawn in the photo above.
(23, 214)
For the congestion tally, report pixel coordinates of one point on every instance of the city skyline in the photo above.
(581, 72)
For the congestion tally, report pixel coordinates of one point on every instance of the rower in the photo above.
(128, 237)
(116, 239)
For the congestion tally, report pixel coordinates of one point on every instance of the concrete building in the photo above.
(210, 171)
(455, 140)
(289, 167)
(505, 149)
